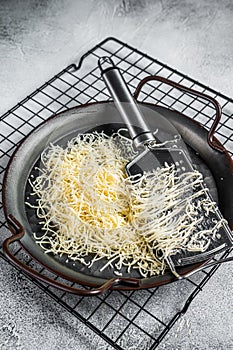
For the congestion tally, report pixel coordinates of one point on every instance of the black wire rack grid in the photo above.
(123, 319)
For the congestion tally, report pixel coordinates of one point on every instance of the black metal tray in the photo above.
(80, 84)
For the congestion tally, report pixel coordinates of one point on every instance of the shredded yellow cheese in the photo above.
(87, 205)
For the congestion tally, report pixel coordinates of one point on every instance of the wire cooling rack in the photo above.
(123, 319)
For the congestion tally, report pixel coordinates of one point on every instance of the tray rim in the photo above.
(153, 282)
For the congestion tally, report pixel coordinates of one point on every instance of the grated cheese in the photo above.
(87, 205)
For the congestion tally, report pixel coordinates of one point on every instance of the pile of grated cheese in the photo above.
(88, 206)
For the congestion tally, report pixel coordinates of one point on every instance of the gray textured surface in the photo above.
(38, 39)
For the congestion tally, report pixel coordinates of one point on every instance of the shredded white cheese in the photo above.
(87, 205)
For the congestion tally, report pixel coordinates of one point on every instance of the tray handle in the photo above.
(210, 139)
(18, 230)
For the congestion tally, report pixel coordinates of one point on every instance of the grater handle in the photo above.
(128, 108)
